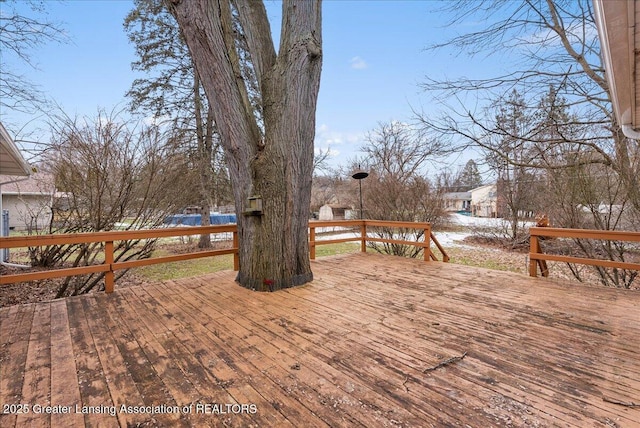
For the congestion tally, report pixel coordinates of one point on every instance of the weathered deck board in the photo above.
(353, 348)
(63, 368)
(93, 386)
(15, 330)
(37, 378)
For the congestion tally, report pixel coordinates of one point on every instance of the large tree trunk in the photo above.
(274, 162)
(204, 136)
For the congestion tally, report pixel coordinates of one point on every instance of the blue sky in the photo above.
(374, 59)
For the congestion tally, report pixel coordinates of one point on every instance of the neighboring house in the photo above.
(457, 201)
(12, 162)
(28, 201)
(335, 212)
(14, 168)
(618, 24)
(484, 201)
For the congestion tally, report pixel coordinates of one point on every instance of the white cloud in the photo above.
(358, 63)
(342, 145)
(332, 153)
(325, 136)
(161, 120)
(548, 38)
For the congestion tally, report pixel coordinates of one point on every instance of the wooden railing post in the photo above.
(445, 256)
(363, 237)
(312, 242)
(109, 277)
(427, 243)
(236, 253)
(533, 249)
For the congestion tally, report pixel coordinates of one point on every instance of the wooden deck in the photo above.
(374, 341)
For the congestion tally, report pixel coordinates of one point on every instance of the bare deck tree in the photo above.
(268, 147)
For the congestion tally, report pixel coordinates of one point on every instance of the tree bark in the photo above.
(204, 137)
(274, 162)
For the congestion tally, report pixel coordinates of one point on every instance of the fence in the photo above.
(365, 225)
(537, 259)
(110, 265)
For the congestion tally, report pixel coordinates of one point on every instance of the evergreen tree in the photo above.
(469, 177)
(171, 90)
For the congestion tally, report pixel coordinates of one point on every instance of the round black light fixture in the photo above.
(359, 175)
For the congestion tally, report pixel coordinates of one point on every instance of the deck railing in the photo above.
(538, 259)
(366, 225)
(110, 265)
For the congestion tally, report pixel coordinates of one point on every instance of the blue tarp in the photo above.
(195, 219)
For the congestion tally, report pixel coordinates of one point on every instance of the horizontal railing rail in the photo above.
(538, 259)
(363, 238)
(109, 266)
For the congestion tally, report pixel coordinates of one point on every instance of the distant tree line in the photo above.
(546, 125)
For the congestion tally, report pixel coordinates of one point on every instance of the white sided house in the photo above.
(618, 24)
(27, 196)
(484, 201)
(13, 168)
(28, 201)
(335, 212)
(457, 202)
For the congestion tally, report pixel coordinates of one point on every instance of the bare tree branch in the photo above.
(19, 36)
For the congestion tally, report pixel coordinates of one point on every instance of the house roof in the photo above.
(338, 206)
(39, 183)
(481, 187)
(619, 41)
(457, 195)
(11, 161)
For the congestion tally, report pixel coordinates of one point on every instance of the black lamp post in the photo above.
(359, 175)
